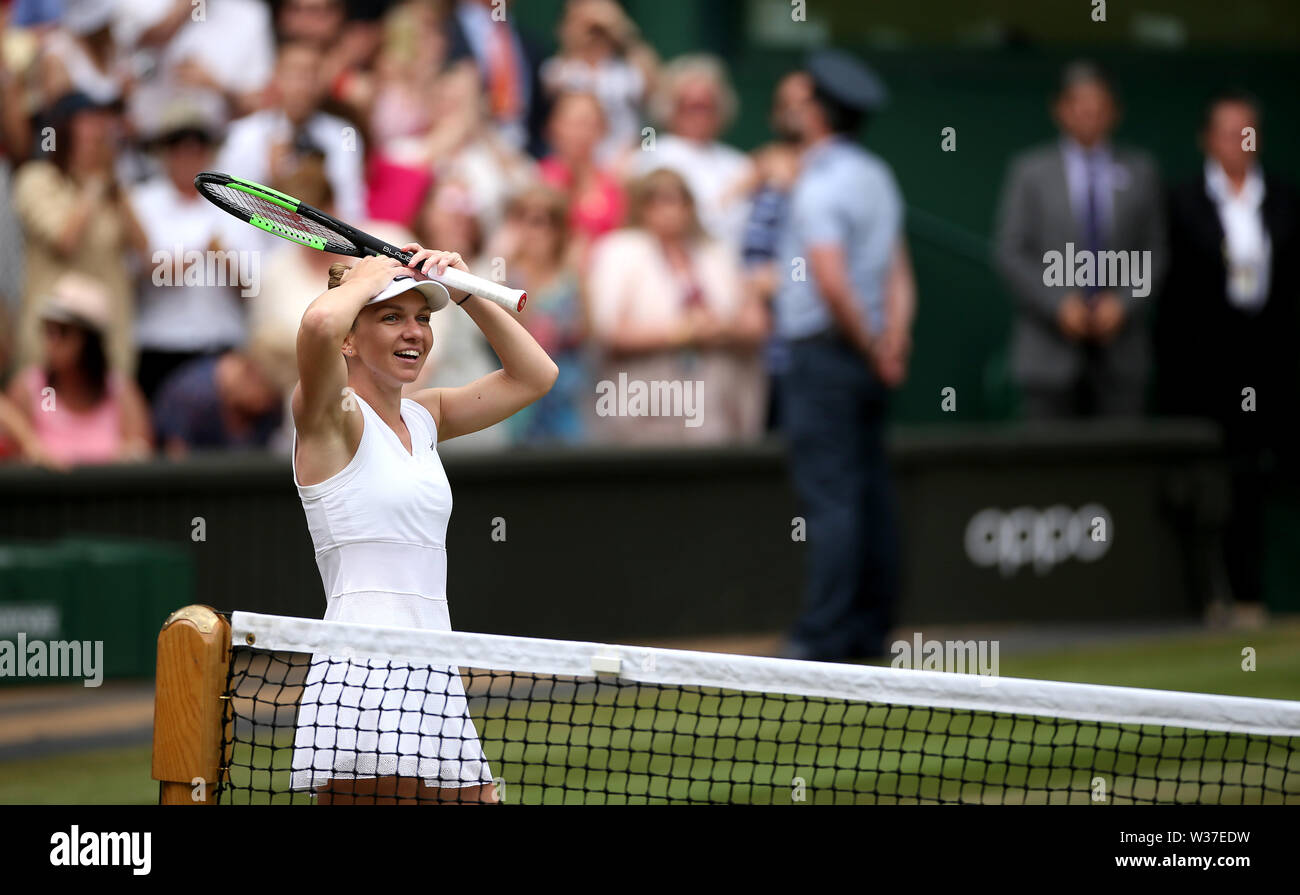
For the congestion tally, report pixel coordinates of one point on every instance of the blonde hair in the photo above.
(274, 354)
(694, 67)
(657, 179)
(337, 270)
(552, 202)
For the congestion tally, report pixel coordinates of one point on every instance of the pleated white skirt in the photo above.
(361, 718)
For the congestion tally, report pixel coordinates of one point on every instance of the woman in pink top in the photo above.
(79, 409)
(596, 200)
(668, 306)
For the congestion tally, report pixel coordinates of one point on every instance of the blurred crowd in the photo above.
(136, 319)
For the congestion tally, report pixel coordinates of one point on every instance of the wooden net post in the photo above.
(193, 662)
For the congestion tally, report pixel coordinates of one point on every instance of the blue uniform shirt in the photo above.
(844, 196)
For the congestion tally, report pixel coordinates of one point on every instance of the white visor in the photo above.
(435, 294)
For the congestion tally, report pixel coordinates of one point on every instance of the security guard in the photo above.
(845, 307)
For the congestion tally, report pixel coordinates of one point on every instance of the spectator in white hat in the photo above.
(190, 297)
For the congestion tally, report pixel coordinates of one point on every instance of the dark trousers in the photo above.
(1093, 393)
(1258, 454)
(1245, 531)
(833, 411)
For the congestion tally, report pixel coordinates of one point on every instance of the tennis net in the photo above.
(312, 704)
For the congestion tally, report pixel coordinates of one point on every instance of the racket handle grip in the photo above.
(454, 278)
(510, 299)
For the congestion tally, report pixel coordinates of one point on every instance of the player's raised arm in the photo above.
(527, 371)
(325, 324)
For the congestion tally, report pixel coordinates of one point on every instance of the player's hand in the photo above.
(372, 273)
(1108, 316)
(1072, 317)
(434, 263)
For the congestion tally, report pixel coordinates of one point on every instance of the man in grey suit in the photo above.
(1081, 244)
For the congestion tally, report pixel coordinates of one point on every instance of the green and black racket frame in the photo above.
(288, 218)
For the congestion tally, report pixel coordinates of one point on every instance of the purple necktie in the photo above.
(1092, 217)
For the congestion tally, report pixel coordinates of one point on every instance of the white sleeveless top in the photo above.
(379, 526)
(380, 529)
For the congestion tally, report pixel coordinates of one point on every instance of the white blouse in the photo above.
(1247, 249)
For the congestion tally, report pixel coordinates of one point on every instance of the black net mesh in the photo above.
(301, 730)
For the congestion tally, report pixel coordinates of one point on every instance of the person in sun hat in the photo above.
(80, 409)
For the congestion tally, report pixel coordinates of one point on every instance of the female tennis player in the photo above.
(377, 502)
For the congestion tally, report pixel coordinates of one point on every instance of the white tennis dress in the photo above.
(379, 527)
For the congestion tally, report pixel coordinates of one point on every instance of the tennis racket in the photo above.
(286, 217)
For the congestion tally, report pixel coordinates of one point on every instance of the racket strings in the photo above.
(245, 205)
